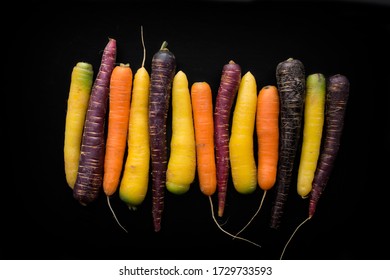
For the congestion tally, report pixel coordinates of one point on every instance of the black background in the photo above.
(41, 220)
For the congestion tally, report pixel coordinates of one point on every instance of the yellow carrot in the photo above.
(312, 131)
(242, 159)
(135, 179)
(79, 93)
(182, 159)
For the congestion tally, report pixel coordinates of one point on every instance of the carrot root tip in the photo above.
(113, 213)
(224, 231)
(253, 217)
(292, 235)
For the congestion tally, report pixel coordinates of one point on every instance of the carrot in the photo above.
(162, 73)
(202, 108)
(118, 121)
(312, 131)
(135, 179)
(229, 83)
(90, 172)
(79, 92)
(336, 104)
(118, 117)
(242, 159)
(336, 98)
(267, 132)
(290, 76)
(182, 159)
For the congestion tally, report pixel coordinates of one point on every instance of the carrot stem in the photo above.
(164, 45)
(143, 46)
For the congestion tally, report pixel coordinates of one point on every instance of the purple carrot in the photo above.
(336, 101)
(161, 77)
(290, 77)
(90, 173)
(230, 81)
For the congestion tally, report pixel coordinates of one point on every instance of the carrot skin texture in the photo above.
(135, 179)
(242, 159)
(202, 107)
(162, 73)
(91, 165)
(312, 131)
(267, 130)
(77, 105)
(291, 81)
(337, 94)
(182, 159)
(118, 120)
(230, 81)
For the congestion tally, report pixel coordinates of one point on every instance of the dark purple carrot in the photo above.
(230, 81)
(290, 77)
(337, 92)
(90, 173)
(161, 77)
(335, 107)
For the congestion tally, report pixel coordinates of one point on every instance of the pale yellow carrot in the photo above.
(314, 113)
(135, 179)
(182, 160)
(79, 93)
(242, 159)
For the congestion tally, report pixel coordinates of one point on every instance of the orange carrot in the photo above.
(267, 130)
(202, 107)
(118, 122)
